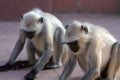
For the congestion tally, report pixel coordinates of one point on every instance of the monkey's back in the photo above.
(105, 40)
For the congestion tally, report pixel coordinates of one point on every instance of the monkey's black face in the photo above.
(73, 46)
(29, 34)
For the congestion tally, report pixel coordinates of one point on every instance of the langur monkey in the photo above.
(43, 33)
(95, 49)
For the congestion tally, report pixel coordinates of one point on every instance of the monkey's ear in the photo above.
(21, 17)
(40, 19)
(66, 26)
(84, 28)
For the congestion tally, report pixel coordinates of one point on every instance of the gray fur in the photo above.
(43, 39)
(98, 53)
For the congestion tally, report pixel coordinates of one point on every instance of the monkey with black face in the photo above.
(42, 33)
(95, 49)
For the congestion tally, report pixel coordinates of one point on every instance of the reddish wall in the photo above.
(12, 9)
(95, 6)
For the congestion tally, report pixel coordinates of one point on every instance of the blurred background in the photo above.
(12, 9)
(105, 13)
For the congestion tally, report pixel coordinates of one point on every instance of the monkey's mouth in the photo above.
(73, 46)
(30, 34)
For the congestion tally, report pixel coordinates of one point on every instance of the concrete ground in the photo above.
(9, 34)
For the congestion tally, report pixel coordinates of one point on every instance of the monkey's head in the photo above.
(76, 34)
(32, 24)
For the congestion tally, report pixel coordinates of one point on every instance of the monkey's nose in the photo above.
(73, 46)
(30, 34)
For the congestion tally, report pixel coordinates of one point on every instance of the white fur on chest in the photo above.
(38, 43)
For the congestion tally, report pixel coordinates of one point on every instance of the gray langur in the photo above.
(42, 32)
(95, 49)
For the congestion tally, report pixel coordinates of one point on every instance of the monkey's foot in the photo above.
(5, 67)
(31, 75)
(53, 65)
(19, 65)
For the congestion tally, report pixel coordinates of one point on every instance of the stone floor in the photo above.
(9, 34)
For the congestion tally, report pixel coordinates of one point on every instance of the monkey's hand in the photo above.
(5, 67)
(31, 75)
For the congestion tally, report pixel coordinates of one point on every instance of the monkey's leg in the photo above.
(16, 51)
(69, 67)
(46, 55)
(56, 59)
(114, 62)
(31, 58)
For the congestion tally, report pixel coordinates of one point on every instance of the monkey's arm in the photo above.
(94, 61)
(17, 49)
(68, 69)
(46, 55)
